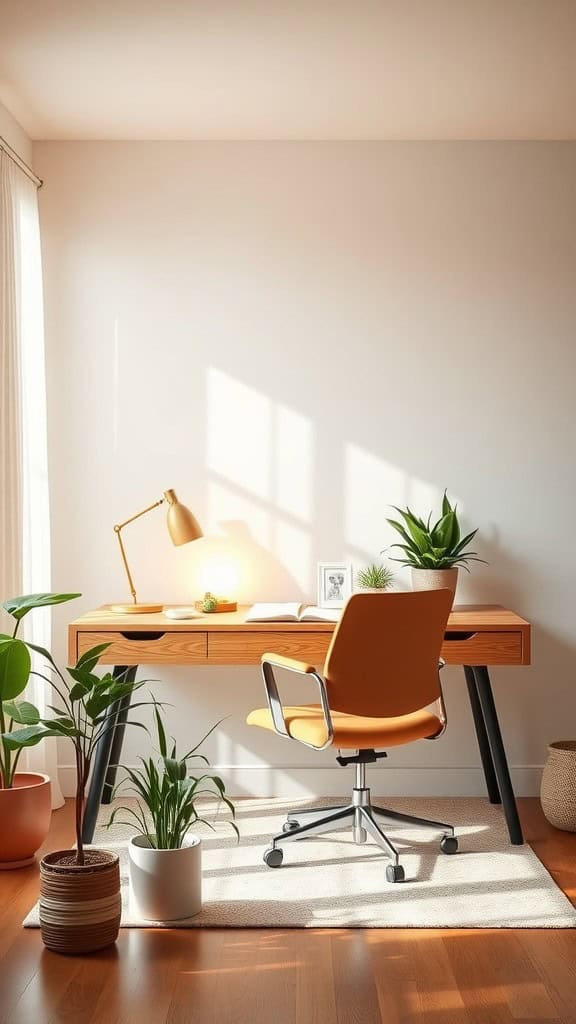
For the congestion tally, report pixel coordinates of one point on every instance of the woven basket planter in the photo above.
(558, 788)
(79, 905)
(434, 579)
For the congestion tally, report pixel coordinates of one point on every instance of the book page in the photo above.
(263, 611)
(314, 614)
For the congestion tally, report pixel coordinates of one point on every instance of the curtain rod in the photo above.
(20, 162)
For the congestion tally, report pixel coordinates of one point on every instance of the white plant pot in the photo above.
(373, 590)
(166, 885)
(434, 579)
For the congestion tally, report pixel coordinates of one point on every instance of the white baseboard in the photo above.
(305, 781)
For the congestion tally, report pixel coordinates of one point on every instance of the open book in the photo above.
(291, 611)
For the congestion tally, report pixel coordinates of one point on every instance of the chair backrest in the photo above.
(383, 658)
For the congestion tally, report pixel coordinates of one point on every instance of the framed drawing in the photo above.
(334, 584)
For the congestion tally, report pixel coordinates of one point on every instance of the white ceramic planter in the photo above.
(373, 590)
(166, 884)
(434, 579)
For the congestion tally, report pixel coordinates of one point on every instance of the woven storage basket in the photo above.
(79, 906)
(558, 788)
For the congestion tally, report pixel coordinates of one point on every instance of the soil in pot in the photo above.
(80, 905)
(25, 812)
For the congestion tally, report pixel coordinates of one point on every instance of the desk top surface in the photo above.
(464, 618)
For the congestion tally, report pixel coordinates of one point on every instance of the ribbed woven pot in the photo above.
(558, 787)
(79, 905)
(434, 579)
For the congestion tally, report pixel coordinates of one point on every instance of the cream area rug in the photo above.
(329, 882)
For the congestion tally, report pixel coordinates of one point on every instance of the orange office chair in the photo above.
(382, 671)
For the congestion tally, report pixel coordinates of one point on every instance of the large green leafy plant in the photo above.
(85, 715)
(438, 546)
(168, 793)
(15, 669)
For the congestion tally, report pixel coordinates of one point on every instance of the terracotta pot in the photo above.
(80, 906)
(558, 788)
(434, 579)
(166, 884)
(25, 812)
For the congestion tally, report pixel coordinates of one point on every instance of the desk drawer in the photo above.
(230, 648)
(501, 648)
(157, 648)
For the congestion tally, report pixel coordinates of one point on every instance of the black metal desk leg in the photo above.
(498, 753)
(101, 762)
(116, 749)
(482, 737)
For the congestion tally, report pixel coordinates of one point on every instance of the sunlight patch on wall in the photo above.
(293, 448)
(260, 457)
(371, 487)
(239, 434)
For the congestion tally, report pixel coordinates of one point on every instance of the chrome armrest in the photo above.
(269, 662)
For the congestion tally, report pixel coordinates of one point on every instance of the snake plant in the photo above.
(433, 547)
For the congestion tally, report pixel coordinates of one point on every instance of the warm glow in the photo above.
(221, 579)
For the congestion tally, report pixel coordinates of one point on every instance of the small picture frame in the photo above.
(334, 584)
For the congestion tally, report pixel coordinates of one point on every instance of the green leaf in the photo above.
(160, 731)
(27, 737)
(14, 667)
(446, 506)
(22, 712)
(444, 533)
(78, 692)
(89, 659)
(18, 607)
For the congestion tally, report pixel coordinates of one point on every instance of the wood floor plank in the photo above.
(234, 976)
(355, 991)
(315, 992)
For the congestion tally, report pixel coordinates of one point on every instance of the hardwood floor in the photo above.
(294, 976)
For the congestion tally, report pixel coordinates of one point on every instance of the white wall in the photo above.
(294, 336)
(15, 135)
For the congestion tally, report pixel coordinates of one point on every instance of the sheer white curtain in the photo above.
(25, 513)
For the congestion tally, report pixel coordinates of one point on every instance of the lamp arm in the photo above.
(120, 526)
(117, 530)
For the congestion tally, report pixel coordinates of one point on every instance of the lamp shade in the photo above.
(182, 525)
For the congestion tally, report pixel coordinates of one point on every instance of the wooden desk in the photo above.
(477, 636)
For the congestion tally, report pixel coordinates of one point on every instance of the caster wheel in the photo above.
(394, 873)
(273, 857)
(289, 826)
(449, 844)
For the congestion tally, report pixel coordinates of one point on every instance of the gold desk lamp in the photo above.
(182, 527)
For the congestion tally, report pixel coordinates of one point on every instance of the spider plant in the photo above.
(168, 793)
(374, 577)
(438, 546)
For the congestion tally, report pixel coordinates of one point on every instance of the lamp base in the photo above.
(136, 609)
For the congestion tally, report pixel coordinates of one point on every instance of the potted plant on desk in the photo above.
(79, 889)
(374, 578)
(25, 797)
(165, 858)
(433, 553)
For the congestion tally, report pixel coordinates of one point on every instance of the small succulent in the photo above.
(433, 547)
(374, 577)
(209, 603)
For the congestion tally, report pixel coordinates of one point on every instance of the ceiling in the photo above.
(290, 69)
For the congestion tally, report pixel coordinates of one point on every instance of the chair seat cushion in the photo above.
(306, 723)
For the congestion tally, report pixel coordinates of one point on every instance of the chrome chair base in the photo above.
(364, 818)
